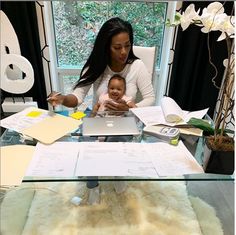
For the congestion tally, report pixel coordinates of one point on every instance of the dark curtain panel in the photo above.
(190, 83)
(23, 18)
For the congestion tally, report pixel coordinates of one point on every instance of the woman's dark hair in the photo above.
(100, 55)
(118, 77)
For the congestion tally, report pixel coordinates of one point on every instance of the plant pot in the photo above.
(218, 161)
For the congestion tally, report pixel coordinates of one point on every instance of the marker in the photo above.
(56, 94)
(174, 141)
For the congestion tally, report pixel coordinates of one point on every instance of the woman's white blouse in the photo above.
(137, 78)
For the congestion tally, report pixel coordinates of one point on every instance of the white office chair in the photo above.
(148, 56)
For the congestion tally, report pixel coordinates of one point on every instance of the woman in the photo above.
(112, 54)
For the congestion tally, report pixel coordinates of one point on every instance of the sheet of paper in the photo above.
(14, 162)
(136, 159)
(150, 115)
(172, 160)
(114, 159)
(24, 119)
(58, 159)
(195, 114)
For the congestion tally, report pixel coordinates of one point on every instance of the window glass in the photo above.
(76, 24)
(69, 82)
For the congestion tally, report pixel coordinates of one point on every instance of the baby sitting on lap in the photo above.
(116, 91)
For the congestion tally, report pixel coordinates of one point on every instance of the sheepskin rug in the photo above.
(145, 208)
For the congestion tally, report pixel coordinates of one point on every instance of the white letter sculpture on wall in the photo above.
(13, 65)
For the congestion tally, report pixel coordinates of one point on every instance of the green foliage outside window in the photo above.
(77, 23)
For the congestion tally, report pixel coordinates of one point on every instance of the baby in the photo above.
(116, 91)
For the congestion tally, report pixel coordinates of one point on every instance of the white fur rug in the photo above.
(145, 208)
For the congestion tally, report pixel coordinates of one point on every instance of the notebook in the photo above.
(109, 126)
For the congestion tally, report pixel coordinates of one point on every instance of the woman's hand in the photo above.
(55, 98)
(117, 107)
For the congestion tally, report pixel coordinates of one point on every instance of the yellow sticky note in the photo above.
(34, 114)
(78, 115)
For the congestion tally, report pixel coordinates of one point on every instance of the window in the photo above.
(75, 25)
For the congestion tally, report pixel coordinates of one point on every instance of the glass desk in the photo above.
(194, 145)
(37, 200)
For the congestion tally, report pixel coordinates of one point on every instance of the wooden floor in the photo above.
(220, 195)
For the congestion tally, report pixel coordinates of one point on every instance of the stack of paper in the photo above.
(14, 163)
(70, 159)
(170, 114)
(43, 125)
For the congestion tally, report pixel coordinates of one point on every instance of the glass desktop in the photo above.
(194, 144)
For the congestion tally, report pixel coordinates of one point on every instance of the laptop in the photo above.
(109, 126)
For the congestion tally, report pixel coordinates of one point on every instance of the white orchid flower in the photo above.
(215, 8)
(226, 26)
(212, 17)
(189, 16)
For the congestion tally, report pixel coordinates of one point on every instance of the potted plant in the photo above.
(219, 139)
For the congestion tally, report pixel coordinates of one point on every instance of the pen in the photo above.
(56, 94)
